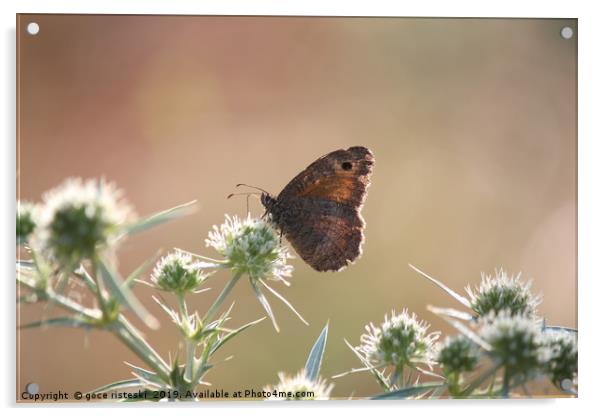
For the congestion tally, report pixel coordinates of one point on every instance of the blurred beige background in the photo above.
(472, 123)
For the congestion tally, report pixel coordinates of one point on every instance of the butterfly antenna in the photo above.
(251, 186)
(247, 194)
(242, 193)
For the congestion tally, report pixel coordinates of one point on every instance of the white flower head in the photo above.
(503, 292)
(299, 387)
(516, 341)
(400, 340)
(78, 217)
(561, 362)
(27, 219)
(177, 272)
(457, 354)
(251, 246)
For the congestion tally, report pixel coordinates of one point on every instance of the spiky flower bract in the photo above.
(177, 272)
(502, 292)
(26, 220)
(400, 340)
(561, 364)
(251, 246)
(78, 218)
(457, 354)
(516, 342)
(297, 387)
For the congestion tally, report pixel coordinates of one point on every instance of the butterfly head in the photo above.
(267, 201)
(272, 209)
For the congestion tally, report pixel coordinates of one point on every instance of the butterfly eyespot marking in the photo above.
(346, 165)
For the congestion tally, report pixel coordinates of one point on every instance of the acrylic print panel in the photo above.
(453, 274)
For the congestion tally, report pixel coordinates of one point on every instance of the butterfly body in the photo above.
(319, 210)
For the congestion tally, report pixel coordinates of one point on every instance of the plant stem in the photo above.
(190, 345)
(222, 296)
(99, 288)
(397, 377)
(453, 384)
(121, 328)
(505, 384)
(130, 336)
(62, 301)
(492, 385)
(182, 305)
(409, 378)
(87, 279)
(184, 318)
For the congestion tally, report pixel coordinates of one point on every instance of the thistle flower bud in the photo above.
(561, 364)
(26, 220)
(400, 340)
(516, 342)
(177, 273)
(251, 246)
(457, 355)
(501, 292)
(79, 218)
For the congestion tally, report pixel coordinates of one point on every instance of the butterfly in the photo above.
(319, 210)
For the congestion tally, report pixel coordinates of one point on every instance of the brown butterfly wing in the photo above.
(326, 235)
(321, 208)
(330, 177)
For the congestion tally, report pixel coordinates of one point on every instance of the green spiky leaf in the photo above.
(314, 360)
(232, 334)
(408, 392)
(161, 217)
(64, 321)
(119, 385)
(131, 279)
(124, 295)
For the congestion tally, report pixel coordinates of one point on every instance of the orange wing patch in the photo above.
(333, 188)
(339, 186)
